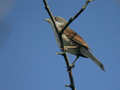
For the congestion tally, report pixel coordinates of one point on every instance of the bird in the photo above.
(73, 43)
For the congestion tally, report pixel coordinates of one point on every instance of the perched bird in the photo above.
(73, 43)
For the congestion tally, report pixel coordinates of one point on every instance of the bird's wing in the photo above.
(75, 38)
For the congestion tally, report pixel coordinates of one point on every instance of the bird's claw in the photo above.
(71, 66)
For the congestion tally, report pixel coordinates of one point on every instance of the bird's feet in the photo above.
(71, 66)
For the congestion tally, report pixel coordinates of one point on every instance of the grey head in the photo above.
(58, 20)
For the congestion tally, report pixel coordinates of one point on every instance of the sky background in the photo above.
(28, 59)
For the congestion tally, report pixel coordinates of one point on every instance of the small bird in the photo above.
(73, 43)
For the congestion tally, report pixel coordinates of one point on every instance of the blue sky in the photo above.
(28, 59)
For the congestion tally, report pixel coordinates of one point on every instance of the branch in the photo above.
(51, 16)
(72, 85)
(76, 15)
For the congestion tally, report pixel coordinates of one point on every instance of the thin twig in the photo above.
(51, 16)
(76, 15)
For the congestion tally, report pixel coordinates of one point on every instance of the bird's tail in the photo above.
(88, 54)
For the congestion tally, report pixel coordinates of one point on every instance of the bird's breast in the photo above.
(66, 40)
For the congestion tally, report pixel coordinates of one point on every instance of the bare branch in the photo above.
(51, 16)
(72, 85)
(76, 15)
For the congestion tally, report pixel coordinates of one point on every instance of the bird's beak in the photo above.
(47, 20)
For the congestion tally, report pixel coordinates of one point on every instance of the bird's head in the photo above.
(59, 21)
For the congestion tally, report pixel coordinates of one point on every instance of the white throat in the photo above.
(59, 26)
(59, 30)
